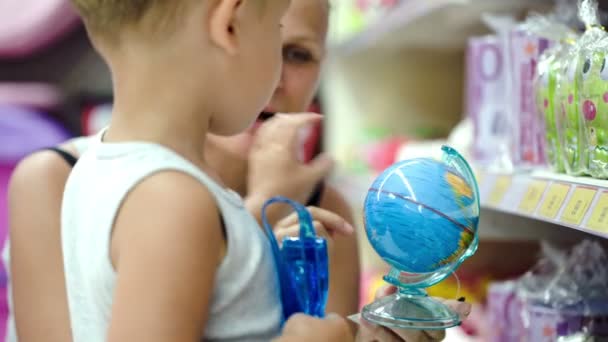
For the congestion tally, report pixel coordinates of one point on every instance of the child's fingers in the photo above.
(332, 222)
(294, 231)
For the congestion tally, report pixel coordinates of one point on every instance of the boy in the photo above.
(154, 248)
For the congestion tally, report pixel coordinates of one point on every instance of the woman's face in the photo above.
(304, 32)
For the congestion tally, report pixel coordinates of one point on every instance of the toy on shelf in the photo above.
(30, 25)
(549, 76)
(564, 296)
(570, 123)
(421, 217)
(525, 49)
(486, 102)
(548, 72)
(593, 85)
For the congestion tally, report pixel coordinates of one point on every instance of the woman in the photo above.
(304, 33)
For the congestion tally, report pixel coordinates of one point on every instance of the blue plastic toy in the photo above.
(302, 265)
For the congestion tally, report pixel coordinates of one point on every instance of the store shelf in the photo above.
(511, 205)
(436, 24)
(574, 202)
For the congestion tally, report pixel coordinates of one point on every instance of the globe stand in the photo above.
(409, 308)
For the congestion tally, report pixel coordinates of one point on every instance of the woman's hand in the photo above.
(369, 332)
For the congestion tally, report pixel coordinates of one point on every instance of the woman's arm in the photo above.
(345, 266)
(37, 277)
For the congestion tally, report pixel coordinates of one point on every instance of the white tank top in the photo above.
(80, 144)
(245, 304)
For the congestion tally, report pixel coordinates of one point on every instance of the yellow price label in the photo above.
(577, 207)
(500, 189)
(553, 200)
(599, 217)
(532, 197)
(478, 176)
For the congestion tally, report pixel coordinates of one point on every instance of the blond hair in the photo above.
(105, 19)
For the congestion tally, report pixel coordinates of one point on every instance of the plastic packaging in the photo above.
(487, 104)
(563, 298)
(593, 90)
(525, 49)
(504, 311)
(550, 64)
(302, 265)
(566, 294)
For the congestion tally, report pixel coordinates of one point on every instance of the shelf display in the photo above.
(563, 298)
(576, 202)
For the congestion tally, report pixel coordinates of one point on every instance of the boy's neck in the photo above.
(156, 103)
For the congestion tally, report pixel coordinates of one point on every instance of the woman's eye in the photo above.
(297, 55)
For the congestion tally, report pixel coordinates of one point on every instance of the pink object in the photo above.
(589, 110)
(504, 313)
(528, 131)
(30, 25)
(36, 95)
(606, 97)
(486, 103)
(383, 154)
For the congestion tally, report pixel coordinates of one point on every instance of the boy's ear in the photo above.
(224, 24)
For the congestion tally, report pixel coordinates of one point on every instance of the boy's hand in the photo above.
(302, 328)
(369, 332)
(326, 225)
(274, 168)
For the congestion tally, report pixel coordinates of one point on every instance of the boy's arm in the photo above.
(343, 297)
(166, 247)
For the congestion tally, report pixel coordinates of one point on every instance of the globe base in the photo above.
(404, 311)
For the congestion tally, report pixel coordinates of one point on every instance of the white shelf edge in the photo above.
(518, 185)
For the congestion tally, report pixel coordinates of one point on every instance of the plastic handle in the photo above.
(302, 264)
(452, 158)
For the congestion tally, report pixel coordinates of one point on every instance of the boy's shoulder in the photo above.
(141, 167)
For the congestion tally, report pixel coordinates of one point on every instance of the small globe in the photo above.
(421, 217)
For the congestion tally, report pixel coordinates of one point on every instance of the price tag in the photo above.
(532, 197)
(478, 176)
(500, 189)
(553, 200)
(599, 217)
(577, 207)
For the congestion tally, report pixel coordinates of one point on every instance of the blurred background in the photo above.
(400, 81)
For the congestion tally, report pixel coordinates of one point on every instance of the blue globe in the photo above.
(421, 217)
